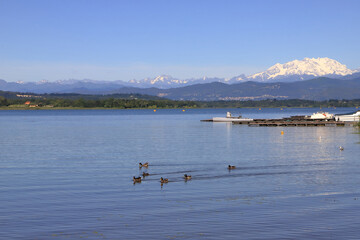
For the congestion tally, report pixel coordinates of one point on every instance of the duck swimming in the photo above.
(145, 174)
(136, 179)
(187, 177)
(231, 167)
(143, 165)
(164, 180)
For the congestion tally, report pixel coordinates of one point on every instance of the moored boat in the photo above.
(321, 116)
(348, 117)
(230, 118)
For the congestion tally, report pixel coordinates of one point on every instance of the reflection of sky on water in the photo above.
(74, 171)
(311, 150)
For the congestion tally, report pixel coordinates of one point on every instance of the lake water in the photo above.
(67, 174)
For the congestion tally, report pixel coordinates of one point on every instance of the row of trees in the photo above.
(164, 103)
(3, 101)
(100, 103)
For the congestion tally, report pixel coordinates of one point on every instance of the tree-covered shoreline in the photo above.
(135, 103)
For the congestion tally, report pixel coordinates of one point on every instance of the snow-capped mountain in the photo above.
(302, 70)
(162, 81)
(296, 70)
(167, 81)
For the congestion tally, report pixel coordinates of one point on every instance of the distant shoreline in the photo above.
(102, 108)
(119, 103)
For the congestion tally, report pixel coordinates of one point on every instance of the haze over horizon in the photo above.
(123, 40)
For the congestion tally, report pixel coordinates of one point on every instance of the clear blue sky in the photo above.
(122, 40)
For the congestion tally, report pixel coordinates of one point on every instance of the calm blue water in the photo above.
(67, 174)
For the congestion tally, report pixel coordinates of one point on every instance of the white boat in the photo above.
(349, 117)
(230, 118)
(322, 116)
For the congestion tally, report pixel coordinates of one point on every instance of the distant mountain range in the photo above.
(295, 79)
(167, 81)
(67, 86)
(297, 70)
(314, 89)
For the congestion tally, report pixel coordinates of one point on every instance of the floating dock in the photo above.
(295, 121)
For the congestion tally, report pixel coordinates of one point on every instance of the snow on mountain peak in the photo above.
(162, 79)
(311, 67)
(159, 81)
(291, 71)
(295, 70)
(42, 82)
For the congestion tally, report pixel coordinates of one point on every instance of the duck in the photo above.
(187, 177)
(231, 167)
(341, 148)
(164, 180)
(145, 174)
(136, 179)
(143, 165)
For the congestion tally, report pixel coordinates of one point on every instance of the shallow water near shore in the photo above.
(67, 174)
